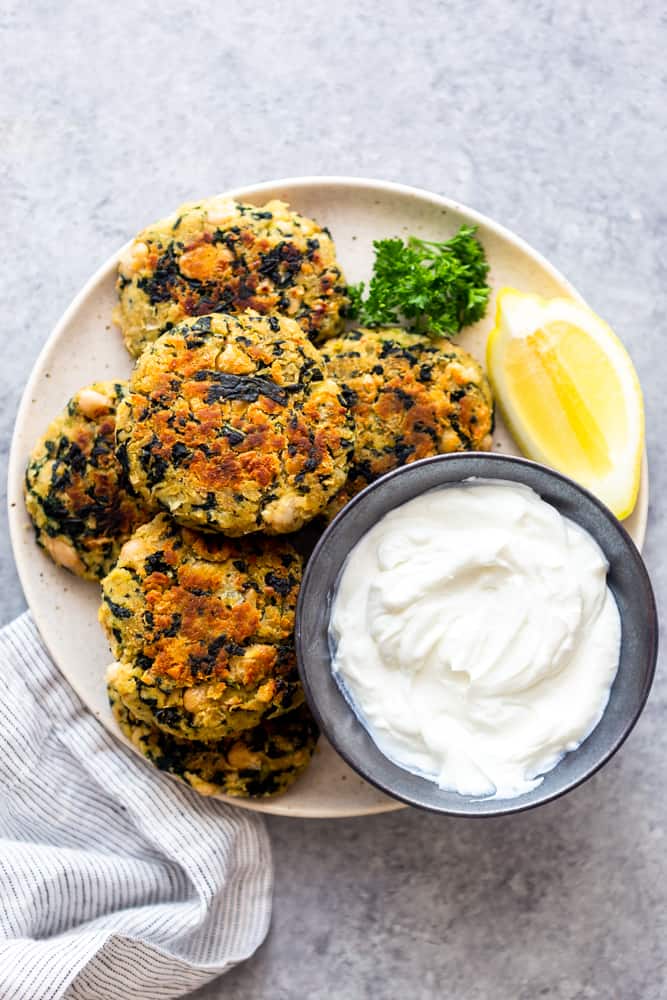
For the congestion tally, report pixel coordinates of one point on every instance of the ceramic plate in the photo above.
(86, 347)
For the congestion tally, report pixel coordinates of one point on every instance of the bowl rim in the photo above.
(505, 806)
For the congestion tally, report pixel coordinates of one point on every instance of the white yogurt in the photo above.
(476, 636)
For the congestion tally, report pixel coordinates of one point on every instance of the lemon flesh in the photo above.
(569, 393)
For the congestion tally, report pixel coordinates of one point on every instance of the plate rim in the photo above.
(305, 182)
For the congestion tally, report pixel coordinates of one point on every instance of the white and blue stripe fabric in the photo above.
(116, 882)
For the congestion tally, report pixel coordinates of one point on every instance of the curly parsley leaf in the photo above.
(438, 287)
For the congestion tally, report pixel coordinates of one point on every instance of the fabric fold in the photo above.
(115, 880)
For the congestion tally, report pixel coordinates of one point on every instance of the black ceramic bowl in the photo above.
(627, 578)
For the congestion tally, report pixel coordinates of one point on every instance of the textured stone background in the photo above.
(550, 116)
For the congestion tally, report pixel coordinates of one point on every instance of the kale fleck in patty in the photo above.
(256, 763)
(233, 424)
(75, 490)
(202, 627)
(220, 255)
(410, 397)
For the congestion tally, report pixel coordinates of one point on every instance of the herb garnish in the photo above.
(439, 287)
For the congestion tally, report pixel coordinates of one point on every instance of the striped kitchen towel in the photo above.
(115, 881)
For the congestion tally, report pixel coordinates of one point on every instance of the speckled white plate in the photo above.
(86, 347)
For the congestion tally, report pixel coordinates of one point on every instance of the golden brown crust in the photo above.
(203, 626)
(232, 424)
(411, 397)
(218, 255)
(76, 493)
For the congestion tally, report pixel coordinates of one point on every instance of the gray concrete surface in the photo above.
(550, 116)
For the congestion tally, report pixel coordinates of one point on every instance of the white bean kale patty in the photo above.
(233, 424)
(219, 255)
(256, 763)
(410, 397)
(202, 627)
(76, 493)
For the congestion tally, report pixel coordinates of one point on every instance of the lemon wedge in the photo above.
(569, 393)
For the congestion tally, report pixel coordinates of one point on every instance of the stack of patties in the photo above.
(230, 434)
(206, 683)
(231, 427)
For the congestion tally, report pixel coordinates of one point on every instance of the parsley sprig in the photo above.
(437, 287)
